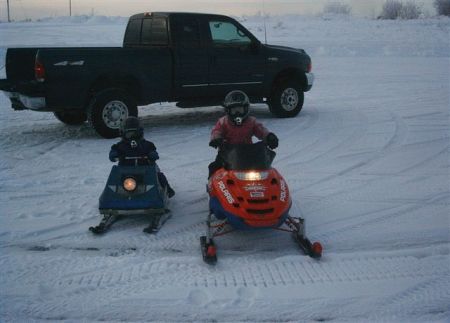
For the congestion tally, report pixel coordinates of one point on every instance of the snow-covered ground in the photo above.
(367, 162)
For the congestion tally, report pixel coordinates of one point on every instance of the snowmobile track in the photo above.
(143, 275)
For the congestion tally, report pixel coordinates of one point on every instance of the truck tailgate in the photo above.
(20, 64)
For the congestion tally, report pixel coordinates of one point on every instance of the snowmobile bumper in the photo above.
(239, 223)
(147, 197)
(149, 211)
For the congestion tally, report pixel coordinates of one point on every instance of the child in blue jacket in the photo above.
(133, 144)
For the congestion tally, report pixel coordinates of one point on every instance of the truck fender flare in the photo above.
(289, 74)
(123, 82)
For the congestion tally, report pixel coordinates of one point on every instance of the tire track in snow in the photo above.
(26, 269)
(139, 276)
(295, 151)
(369, 219)
(396, 139)
(52, 236)
(429, 296)
(306, 120)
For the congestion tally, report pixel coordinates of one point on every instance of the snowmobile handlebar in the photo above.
(136, 158)
(227, 146)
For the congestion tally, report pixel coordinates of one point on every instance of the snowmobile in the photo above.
(133, 190)
(248, 194)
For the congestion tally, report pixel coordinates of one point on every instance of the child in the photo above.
(133, 144)
(237, 127)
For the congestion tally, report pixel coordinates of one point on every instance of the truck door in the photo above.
(236, 58)
(191, 61)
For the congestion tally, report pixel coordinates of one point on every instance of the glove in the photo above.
(153, 155)
(113, 155)
(216, 142)
(272, 140)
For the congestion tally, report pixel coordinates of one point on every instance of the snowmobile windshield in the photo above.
(248, 157)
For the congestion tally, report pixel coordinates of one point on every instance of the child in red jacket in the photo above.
(237, 127)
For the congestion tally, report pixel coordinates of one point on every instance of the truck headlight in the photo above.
(251, 176)
(129, 184)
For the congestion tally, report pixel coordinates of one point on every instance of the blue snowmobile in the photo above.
(133, 190)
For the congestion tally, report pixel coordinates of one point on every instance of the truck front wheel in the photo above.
(107, 111)
(287, 99)
(72, 118)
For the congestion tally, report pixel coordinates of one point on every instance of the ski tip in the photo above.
(316, 249)
(209, 251)
(211, 262)
(150, 230)
(96, 230)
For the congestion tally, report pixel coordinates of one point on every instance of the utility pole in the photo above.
(7, 5)
(70, 8)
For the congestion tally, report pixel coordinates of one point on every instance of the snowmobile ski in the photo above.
(208, 250)
(157, 221)
(104, 224)
(314, 250)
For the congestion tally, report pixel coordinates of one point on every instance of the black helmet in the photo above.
(131, 129)
(236, 105)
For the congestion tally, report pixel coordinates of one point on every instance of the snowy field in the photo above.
(367, 162)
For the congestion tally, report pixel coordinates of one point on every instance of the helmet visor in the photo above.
(131, 133)
(237, 110)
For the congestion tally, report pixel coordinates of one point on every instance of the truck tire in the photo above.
(286, 99)
(72, 118)
(108, 109)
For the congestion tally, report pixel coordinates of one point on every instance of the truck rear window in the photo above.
(147, 31)
(133, 32)
(154, 31)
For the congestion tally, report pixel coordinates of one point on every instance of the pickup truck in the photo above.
(192, 59)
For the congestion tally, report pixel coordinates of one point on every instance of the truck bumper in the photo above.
(310, 81)
(24, 95)
(21, 101)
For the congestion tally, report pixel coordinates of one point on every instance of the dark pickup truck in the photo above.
(189, 58)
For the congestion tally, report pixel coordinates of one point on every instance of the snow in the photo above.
(367, 162)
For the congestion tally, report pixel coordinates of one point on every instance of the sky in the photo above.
(34, 9)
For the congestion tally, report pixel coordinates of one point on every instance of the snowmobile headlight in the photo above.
(129, 184)
(252, 176)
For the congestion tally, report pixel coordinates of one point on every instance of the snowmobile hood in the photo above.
(261, 202)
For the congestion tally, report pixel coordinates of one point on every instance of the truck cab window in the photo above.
(154, 31)
(187, 33)
(226, 33)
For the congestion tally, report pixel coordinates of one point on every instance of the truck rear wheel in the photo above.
(72, 118)
(287, 99)
(107, 111)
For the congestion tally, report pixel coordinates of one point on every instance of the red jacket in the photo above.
(242, 134)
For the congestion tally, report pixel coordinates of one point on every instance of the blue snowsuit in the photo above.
(138, 148)
(124, 148)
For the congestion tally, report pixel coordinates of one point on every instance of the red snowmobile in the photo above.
(248, 194)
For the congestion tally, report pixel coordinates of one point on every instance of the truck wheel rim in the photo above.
(289, 99)
(114, 113)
